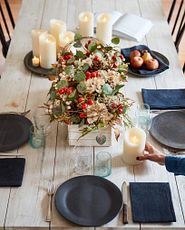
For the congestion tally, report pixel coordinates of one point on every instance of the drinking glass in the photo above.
(41, 120)
(82, 161)
(143, 117)
(37, 137)
(103, 166)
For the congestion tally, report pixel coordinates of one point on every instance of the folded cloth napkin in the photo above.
(164, 98)
(162, 66)
(151, 202)
(11, 172)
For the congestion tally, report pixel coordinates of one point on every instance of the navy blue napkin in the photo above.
(162, 66)
(151, 202)
(164, 98)
(11, 172)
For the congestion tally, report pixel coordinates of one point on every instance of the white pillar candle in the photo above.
(104, 28)
(66, 38)
(57, 27)
(35, 61)
(134, 144)
(86, 24)
(47, 44)
(35, 40)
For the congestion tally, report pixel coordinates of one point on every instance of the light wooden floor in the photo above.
(15, 6)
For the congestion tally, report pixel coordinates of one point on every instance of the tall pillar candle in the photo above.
(47, 44)
(86, 24)
(35, 41)
(134, 145)
(57, 27)
(66, 38)
(104, 28)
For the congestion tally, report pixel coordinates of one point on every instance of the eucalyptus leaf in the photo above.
(62, 108)
(71, 97)
(85, 67)
(61, 84)
(117, 88)
(77, 37)
(92, 46)
(69, 70)
(71, 60)
(80, 54)
(81, 87)
(115, 41)
(107, 89)
(79, 76)
(52, 95)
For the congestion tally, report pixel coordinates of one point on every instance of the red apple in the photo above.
(136, 62)
(152, 64)
(135, 53)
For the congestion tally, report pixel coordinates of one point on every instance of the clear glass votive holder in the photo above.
(143, 117)
(41, 120)
(81, 164)
(37, 137)
(103, 165)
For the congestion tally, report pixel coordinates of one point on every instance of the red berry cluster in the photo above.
(118, 108)
(84, 104)
(67, 90)
(91, 74)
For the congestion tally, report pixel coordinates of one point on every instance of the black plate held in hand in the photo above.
(88, 200)
(37, 70)
(168, 128)
(14, 131)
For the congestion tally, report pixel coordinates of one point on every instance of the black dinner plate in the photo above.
(37, 70)
(14, 131)
(168, 128)
(148, 74)
(88, 200)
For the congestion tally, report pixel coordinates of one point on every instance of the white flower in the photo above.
(94, 84)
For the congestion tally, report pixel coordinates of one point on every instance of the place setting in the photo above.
(168, 108)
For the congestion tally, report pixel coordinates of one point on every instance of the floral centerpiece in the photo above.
(86, 88)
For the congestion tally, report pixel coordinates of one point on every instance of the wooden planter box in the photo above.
(90, 139)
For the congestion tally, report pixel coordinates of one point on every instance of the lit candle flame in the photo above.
(134, 140)
(85, 18)
(104, 19)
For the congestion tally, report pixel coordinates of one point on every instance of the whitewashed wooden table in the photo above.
(25, 207)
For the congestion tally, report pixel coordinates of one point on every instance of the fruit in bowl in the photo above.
(136, 62)
(135, 53)
(146, 56)
(144, 59)
(152, 64)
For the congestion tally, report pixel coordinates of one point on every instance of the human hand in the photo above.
(152, 154)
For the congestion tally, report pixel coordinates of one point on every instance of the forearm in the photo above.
(175, 164)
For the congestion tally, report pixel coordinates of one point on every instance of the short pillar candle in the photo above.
(66, 38)
(86, 24)
(134, 145)
(35, 61)
(35, 41)
(104, 28)
(47, 45)
(57, 27)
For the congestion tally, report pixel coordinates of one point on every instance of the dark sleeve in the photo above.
(175, 164)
